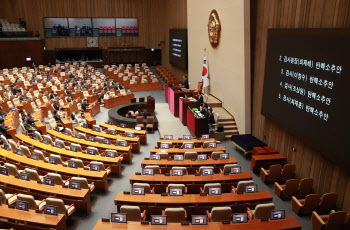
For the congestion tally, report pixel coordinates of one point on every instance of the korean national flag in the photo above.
(205, 77)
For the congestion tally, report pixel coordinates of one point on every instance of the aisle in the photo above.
(168, 123)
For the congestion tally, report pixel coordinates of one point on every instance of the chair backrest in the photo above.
(336, 221)
(83, 182)
(139, 120)
(61, 209)
(204, 167)
(227, 167)
(184, 143)
(133, 212)
(274, 173)
(169, 143)
(13, 145)
(45, 99)
(175, 215)
(79, 162)
(216, 154)
(156, 168)
(241, 185)
(163, 155)
(146, 186)
(210, 185)
(184, 169)
(52, 123)
(57, 157)
(328, 202)
(61, 142)
(219, 214)
(69, 131)
(48, 138)
(41, 155)
(311, 203)
(33, 174)
(102, 167)
(57, 178)
(25, 150)
(288, 172)
(4, 140)
(38, 102)
(28, 198)
(263, 210)
(190, 155)
(16, 101)
(77, 147)
(291, 188)
(305, 187)
(93, 149)
(12, 169)
(182, 186)
(3, 197)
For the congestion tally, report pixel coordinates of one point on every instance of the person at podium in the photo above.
(185, 82)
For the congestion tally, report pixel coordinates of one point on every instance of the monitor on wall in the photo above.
(178, 53)
(305, 87)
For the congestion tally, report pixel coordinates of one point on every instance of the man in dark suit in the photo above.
(31, 122)
(185, 82)
(205, 111)
(95, 90)
(55, 106)
(211, 119)
(57, 118)
(84, 105)
(101, 96)
(52, 95)
(3, 129)
(200, 99)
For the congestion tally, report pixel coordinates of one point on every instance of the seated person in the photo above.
(129, 115)
(55, 106)
(185, 82)
(205, 111)
(57, 118)
(3, 113)
(95, 90)
(84, 105)
(102, 95)
(30, 129)
(200, 98)
(3, 129)
(52, 95)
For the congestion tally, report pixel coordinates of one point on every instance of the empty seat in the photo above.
(25, 150)
(288, 172)
(210, 185)
(7, 198)
(83, 183)
(261, 211)
(163, 155)
(75, 147)
(305, 187)
(146, 186)
(57, 178)
(307, 205)
(182, 186)
(79, 162)
(219, 214)
(102, 167)
(271, 175)
(184, 169)
(156, 168)
(13, 146)
(190, 155)
(175, 215)
(133, 213)
(33, 174)
(92, 150)
(334, 221)
(328, 202)
(140, 122)
(216, 154)
(205, 167)
(67, 210)
(288, 190)
(40, 154)
(241, 186)
(13, 171)
(32, 203)
(227, 167)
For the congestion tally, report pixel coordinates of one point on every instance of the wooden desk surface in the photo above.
(100, 134)
(177, 141)
(52, 168)
(33, 219)
(120, 129)
(182, 151)
(290, 223)
(65, 152)
(216, 178)
(189, 163)
(268, 157)
(191, 199)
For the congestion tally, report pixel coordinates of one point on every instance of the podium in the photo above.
(151, 104)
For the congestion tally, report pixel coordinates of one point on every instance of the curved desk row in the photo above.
(179, 142)
(172, 151)
(99, 178)
(142, 134)
(114, 163)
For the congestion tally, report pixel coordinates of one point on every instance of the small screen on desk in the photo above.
(72, 164)
(239, 218)
(158, 220)
(106, 141)
(199, 220)
(277, 215)
(91, 138)
(74, 185)
(110, 154)
(130, 134)
(187, 137)
(146, 171)
(119, 218)
(138, 191)
(94, 167)
(178, 157)
(58, 145)
(53, 160)
(73, 148)
(207, 172)
(164, 145)
(24, 176)
(212, 145)
(50, 210)
(223, 156)
(205, 136)
(177, 172)
(112, 132)
(34, 156)
(97, 129)
(214, 191)
(168, 137)
(123, 143)
(22, 205)
(49, 181)
(202, 157)
(236, 170)
(123, 125)
(155, 157)
(188, 146)
(175, 192)
(251, 189)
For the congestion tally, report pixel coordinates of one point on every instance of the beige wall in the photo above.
(229, 64)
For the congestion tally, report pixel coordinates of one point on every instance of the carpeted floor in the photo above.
(103, 204)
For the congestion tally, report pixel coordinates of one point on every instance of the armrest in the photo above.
(152, 191)
(41, 203)
(67, 180)
(14, 201)
(250, 213)
(263, 174)
(163, 212)
(201, 189)
(317, 222)
(278, 189)
(166, 190)
(185, 190)
(143, 215)
(296, 205)
(233, 189)
(160, 171)
(208, 215)
(68, 214)
(185, 215)
(221, 171)
(197, 171)
(109, 168)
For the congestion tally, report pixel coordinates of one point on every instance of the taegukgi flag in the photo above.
(205, 74)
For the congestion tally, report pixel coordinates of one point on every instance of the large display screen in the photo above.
(306, 85)
(178, 54)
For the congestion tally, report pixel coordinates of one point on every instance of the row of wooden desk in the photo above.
(172, 151)
(99, 178)
(142, 134)
(198, 142)
(118, 100)
(289, 223)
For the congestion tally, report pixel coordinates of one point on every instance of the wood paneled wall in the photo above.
(175, 18)
(156, 17)
(297, 14)
(149, 12)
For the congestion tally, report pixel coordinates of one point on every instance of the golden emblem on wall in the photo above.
(214, 29)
